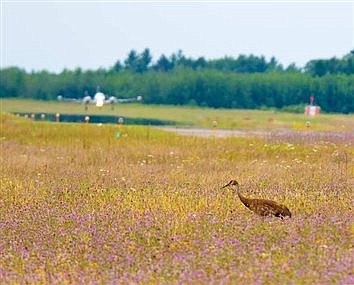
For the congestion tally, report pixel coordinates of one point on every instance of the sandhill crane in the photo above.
(261, 207)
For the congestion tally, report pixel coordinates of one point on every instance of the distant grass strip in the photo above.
(191, 116)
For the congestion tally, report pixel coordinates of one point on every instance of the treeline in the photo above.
(244, 82)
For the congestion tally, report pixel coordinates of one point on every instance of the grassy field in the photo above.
(197, 117)
(78, 205)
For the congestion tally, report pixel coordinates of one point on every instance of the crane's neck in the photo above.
(243, 199)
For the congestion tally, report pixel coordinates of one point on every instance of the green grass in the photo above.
(78, 205)
(190, 116)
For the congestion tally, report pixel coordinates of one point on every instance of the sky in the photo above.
(53, 35)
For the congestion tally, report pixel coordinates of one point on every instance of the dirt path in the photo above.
(215, 133)
(283, 135)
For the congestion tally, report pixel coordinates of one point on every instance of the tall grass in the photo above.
(78, 205)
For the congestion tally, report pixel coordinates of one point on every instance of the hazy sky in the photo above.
(38, 35)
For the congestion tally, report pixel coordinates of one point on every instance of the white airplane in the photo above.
(99, 99)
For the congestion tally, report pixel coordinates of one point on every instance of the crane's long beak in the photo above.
(225, 186)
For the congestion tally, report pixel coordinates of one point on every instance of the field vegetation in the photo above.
(78, 205)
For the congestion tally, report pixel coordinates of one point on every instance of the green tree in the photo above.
(131, 61)
(143, 61)
(163, 64)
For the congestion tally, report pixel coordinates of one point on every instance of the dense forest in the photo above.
(243, 82)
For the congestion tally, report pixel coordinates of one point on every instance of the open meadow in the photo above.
(81, 206)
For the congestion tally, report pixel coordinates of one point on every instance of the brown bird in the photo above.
(261, 207)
